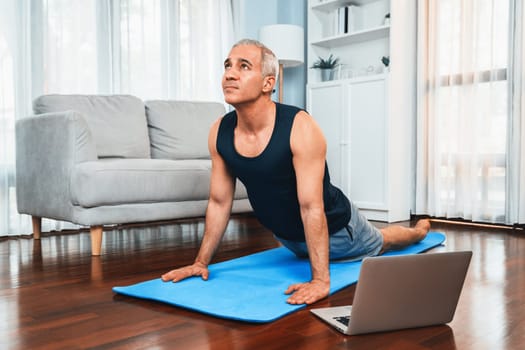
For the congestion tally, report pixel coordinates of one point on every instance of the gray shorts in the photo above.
(356, 241)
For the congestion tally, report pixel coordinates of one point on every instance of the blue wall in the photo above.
(253, 14)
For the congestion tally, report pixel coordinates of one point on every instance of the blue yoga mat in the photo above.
(251, 288)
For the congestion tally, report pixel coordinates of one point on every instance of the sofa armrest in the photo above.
(47, 148)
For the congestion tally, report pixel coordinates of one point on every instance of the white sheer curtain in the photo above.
(516, 150)
(463, 111)
(153, 49)
(15, 100)
(176, 47)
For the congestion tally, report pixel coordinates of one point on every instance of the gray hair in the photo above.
(270, 63)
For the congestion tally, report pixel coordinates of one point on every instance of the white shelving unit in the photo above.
(367, 113)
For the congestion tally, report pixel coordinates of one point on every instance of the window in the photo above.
(465, 110)
(153, 49)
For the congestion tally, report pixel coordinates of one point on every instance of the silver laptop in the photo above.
(404, 291)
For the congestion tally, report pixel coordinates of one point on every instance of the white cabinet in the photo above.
(368, 112)
(367, 140)
(327, 116)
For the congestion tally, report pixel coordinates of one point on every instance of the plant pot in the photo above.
(327, 74)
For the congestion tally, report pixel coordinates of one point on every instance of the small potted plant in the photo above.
(326, 66)
(386, 62)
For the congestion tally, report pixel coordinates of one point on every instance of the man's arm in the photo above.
(222, 187)
(309, 154)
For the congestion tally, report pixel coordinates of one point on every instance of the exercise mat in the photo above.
(251, 288)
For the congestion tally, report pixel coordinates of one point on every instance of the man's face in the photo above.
(242, 80)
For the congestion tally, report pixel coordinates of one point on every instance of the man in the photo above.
(278, 152)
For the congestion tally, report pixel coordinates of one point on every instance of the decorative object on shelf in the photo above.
(287, 43)
(343, 71)
(348, 19)
(386, 21)
(326, 66)
(386, 60)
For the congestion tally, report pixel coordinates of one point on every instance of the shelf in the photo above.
(330, 5)
(353, 38)
(359, 79)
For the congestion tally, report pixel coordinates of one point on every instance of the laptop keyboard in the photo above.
(343, 319)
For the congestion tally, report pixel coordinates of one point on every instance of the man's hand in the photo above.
(308, 293)
(197, 269)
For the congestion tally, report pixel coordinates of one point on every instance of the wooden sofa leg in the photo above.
(96, 240)
(37, 226)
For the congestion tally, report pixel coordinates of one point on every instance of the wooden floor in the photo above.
(54, 295)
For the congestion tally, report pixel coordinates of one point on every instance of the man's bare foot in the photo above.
(397, 237)
(422, 227)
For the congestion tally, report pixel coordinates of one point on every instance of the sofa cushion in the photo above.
(117, 122)
(122, 181)
(119, 181)
(179, 129)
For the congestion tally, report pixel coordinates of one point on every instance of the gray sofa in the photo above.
(101, 160)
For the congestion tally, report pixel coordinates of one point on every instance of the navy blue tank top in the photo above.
(270, 180)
